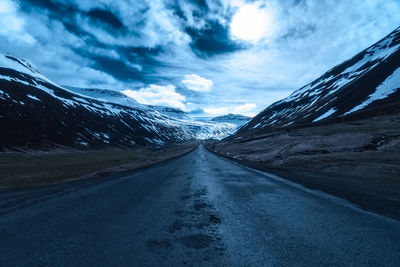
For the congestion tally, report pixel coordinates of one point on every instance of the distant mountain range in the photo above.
(236, 119)
(36, 113)
(366, 85)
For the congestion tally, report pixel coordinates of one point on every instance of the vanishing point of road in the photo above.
(196, 210)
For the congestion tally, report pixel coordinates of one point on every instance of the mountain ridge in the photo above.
(339, 94)
(36, 113)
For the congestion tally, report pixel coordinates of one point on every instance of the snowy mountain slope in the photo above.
(120, 98)
(364, 86)
(172, 112)
(20, 65)
(200, 129)
(107, 95)
(36, 113)
(236, 119)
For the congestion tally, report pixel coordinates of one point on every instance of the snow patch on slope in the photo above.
(33, 97)
(325, 115)
(389, 86)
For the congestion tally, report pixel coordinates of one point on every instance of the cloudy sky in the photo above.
(209, 57)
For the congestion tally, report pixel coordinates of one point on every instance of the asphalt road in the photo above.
(198, 209)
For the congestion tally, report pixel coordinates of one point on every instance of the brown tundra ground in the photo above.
(359, 161)
(40, 168)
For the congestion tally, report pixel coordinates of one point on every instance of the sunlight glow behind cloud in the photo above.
(252, 23)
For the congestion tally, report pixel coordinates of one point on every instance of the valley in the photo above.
(199, 133)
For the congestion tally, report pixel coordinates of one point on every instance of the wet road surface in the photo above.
(196, 210)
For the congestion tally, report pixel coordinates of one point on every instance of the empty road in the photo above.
(198, 209)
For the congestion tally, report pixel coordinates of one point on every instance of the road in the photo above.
(196, 210)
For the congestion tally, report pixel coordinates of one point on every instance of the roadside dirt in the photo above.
(35, 168)
(358, 161)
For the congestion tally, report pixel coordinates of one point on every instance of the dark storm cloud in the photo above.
(213, 39)
(141, 58)
(106, 18)
(131, 61)
(134, 63)
(68, 12)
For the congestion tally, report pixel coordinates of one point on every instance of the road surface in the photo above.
(198, 209)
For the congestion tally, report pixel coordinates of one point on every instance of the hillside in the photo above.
(339, 134)
(362, 87)
(36, 113)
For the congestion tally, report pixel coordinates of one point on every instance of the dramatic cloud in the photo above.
(158, 95)
(196, 83)
(12, 26)
(253, 22)
(216, 111)
(248, 109)
(230, 52)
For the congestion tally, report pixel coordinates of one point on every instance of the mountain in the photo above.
(172, 112)
(200, 129)
(106, 95)
(120, 98)
(339, 134)
(36, 113)
(236, 119)
(364, 86)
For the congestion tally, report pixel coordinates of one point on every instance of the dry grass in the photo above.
(19, 170)
(357, 161)
(369, 148)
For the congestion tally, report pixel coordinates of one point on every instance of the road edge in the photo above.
(300, 186)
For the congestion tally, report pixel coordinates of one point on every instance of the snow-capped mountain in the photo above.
(106, 95)
(366, 85)
(201, 129)
(236, 119)
(120, 98)
(172, 112)
(37, 113)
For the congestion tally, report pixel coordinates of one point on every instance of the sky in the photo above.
(207, 57)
